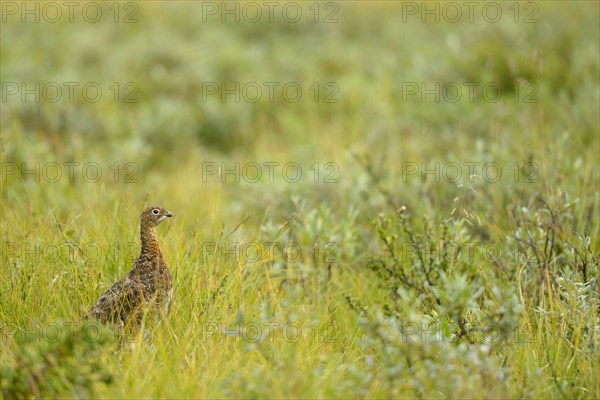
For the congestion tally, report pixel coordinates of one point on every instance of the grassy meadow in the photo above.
(370, 201)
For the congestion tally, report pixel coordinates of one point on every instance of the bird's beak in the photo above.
(161, 219)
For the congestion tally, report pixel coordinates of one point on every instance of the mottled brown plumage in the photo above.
(146, 288)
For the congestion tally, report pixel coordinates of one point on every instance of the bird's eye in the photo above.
(155, 211)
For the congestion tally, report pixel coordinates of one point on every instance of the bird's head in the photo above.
(153, 216)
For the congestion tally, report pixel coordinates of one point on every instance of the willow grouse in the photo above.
(146, 288)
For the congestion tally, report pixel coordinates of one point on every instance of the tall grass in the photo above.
(405, 284)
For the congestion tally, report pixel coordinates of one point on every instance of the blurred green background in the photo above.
(378, 83)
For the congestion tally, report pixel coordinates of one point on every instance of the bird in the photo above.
(146, 289)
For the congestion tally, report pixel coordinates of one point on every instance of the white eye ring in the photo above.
(155, 211)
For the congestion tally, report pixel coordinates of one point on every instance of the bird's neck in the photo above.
(149, 240)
